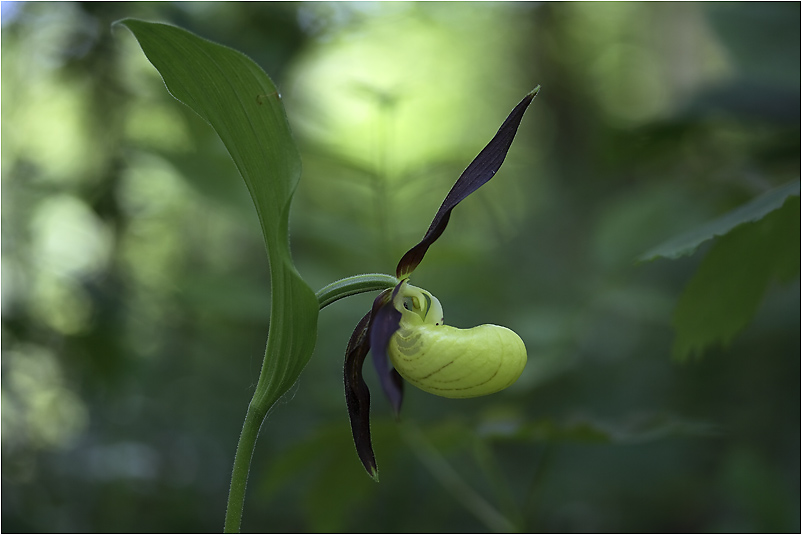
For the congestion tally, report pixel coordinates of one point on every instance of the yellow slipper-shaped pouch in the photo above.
(447, 361)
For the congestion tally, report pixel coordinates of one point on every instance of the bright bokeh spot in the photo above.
(401, 105)
(39, 408)
(69, 246)
(68, 238)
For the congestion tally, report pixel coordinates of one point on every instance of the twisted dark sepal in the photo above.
(481, 170)
(357, 395)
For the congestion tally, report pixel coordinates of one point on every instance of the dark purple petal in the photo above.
(384, 323)
(357, 395)
(481, 169)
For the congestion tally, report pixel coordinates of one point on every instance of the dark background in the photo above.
(135, 295)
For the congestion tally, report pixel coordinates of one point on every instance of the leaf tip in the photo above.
(533, 93)
(125, 22)
(118, 23)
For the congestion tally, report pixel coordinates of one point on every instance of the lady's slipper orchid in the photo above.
(405, 325)
(451, 362)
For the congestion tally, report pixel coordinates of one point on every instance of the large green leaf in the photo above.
(235, 96)
(687, 243)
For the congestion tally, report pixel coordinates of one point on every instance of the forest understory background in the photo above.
(135, 291)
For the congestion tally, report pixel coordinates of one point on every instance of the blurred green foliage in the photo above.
(724, 294)
(135, 293)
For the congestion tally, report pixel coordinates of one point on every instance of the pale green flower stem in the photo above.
(357, 284)
(257, 411)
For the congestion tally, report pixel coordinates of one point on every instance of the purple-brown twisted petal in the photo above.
(373, 330)
(480, 170)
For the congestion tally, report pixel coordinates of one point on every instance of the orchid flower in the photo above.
(405, 324)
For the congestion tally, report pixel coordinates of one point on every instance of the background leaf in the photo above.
(241, 103)
(724, 294)
(687, 243)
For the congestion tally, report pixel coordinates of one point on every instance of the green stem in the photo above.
(242, 465)
(357, 284)
(257, 411)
